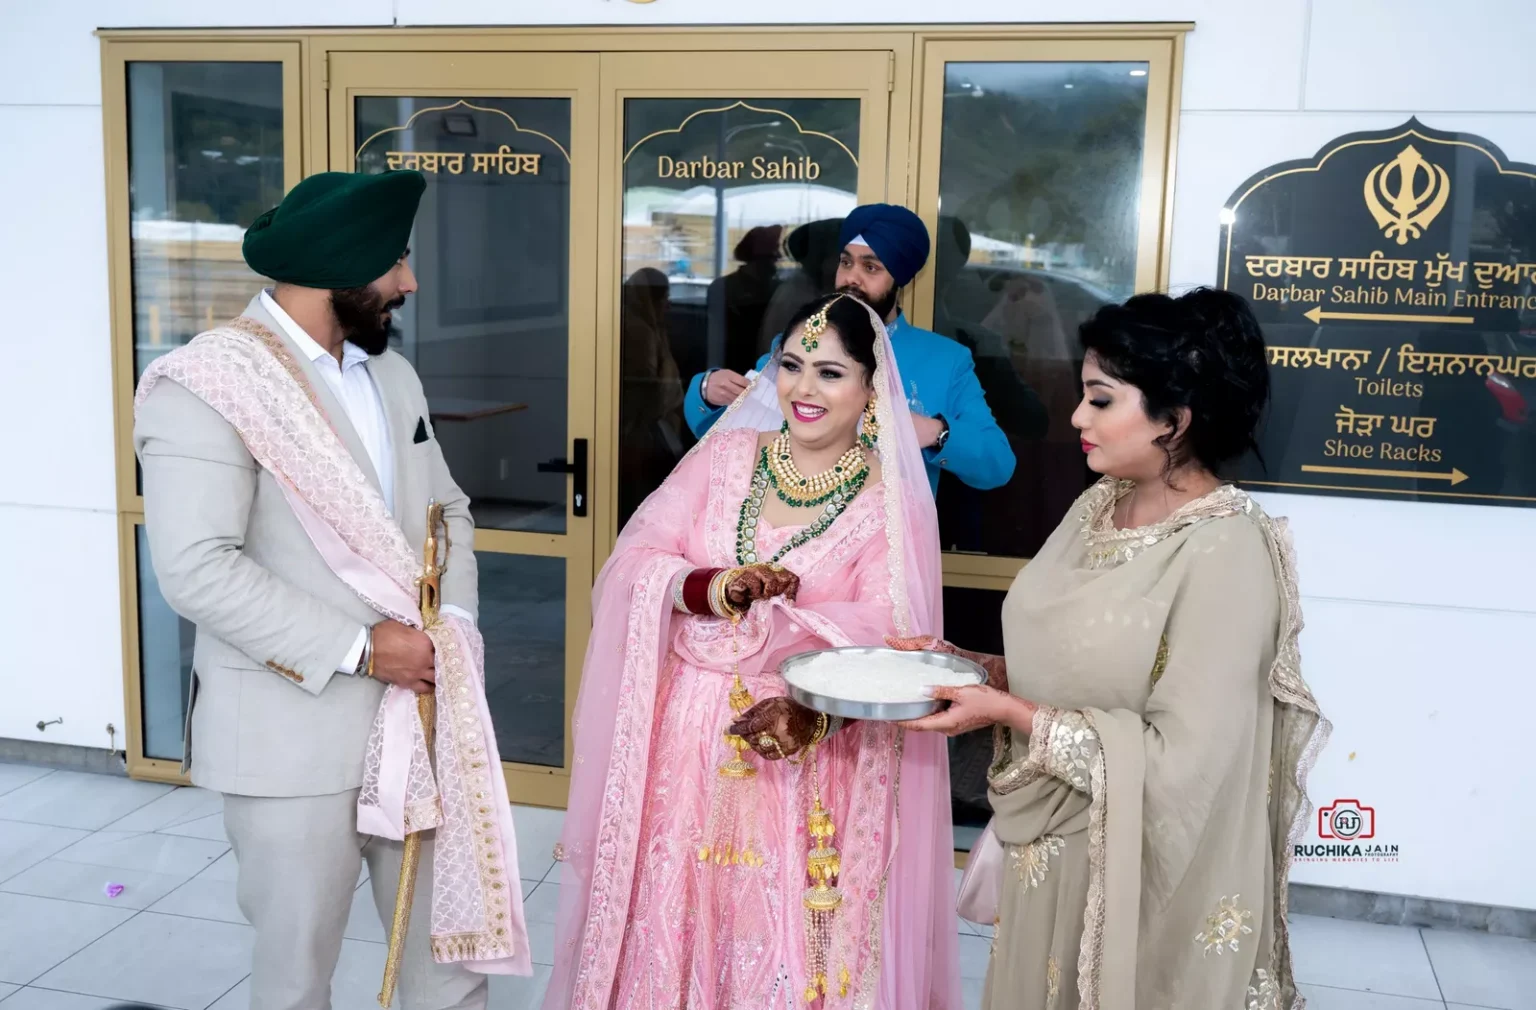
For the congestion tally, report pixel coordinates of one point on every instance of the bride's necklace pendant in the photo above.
(800, 491)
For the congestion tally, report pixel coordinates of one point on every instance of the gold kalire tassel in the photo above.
(823, 897)
(730, 835)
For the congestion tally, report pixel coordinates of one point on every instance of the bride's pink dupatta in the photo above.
(249, 376)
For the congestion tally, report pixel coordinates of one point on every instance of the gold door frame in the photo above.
(865, 75)
(517, 75)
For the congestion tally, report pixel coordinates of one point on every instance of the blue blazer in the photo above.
(941, 381)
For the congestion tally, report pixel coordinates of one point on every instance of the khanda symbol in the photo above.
(1410, 210)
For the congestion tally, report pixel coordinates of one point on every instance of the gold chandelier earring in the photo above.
(869, 431)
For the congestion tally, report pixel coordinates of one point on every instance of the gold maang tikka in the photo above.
(810, 337)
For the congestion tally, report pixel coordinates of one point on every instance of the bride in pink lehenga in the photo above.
(687, 880)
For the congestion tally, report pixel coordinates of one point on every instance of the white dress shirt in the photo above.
(353, 385)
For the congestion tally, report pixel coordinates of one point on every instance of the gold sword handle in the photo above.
(430, 585)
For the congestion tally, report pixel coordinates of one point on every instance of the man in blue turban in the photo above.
(884, 247)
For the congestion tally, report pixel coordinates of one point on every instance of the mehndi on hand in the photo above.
(777, 727)
(761, 582)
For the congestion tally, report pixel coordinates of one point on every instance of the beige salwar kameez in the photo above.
(1147, 821)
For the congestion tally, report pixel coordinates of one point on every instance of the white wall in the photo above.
(1420, 617)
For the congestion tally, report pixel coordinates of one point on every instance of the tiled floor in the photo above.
(174, 937)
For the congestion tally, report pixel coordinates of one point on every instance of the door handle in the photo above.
(576, 466)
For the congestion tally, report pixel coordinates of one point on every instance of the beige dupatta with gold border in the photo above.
(1150, 818)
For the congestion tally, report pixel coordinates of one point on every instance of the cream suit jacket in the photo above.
(270, 716)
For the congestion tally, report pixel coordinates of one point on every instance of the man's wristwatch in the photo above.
(943, 435)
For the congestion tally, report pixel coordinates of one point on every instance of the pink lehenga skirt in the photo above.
(708, 936)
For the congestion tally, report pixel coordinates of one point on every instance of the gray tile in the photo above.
(167, 854)
(78, 800)
(177, 807)
(56, 878)
(225, 868)
(238, 998)
(33, 998)
(210, 828)
(1362, 956)
(41, 932)
(1483, 970)
(161, 959)
(971, 990)
(542, 904)
(202, 897)
(519, 992)
(24, 845)
(975, 956)
(541, 942)
(538, 829)
(363, 921)
(1321, 997)
(359, 971)
(13, 777)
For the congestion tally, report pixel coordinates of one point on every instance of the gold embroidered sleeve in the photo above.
(1063, 745)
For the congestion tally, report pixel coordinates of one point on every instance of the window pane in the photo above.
(489, 330)
(205, 157)
(731, 215)
(522, 618)
(1039, 204)
(165, 662)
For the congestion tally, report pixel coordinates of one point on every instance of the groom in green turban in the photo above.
(291, 663)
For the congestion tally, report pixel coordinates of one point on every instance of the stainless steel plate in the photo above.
(879, 711)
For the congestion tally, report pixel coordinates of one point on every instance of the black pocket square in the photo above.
(421, 431)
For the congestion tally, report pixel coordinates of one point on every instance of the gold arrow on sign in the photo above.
(1317, 315)
(1455, 476)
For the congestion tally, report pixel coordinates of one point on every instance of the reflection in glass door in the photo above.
(500, 333)
(730, 205)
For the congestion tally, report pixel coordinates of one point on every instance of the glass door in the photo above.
(727, 177)
(1042, 169)
(502, 335)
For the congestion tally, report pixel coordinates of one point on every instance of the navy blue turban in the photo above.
(895, 234)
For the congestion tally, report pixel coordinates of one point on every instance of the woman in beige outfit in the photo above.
(1154, 731)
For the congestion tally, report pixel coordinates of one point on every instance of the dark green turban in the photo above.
(336, 229)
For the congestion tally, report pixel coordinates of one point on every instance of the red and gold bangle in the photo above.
(694, 590)
(719, 603)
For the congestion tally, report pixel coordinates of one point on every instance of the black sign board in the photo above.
(1395, 278)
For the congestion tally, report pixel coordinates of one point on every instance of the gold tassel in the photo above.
(730, 834)
(822, 898)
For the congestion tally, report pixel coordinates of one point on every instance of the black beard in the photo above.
(883, 307)
(360, 312)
